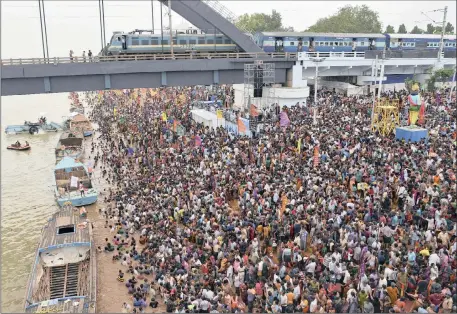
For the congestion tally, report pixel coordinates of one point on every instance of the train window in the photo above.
(183, 42)
(362, 43)
(326, 43)
(192, 41)
(292, 43)
(227, 41)
(210, 41)
(201, 41)
(145, 42)
(175, 41)
(305, 43)
(154, 42)
(219, 40)
(135, 42)
(165, 42)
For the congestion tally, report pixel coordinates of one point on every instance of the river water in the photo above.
(27, 195)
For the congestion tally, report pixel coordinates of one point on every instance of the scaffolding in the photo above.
(385, 117)
(265, 74)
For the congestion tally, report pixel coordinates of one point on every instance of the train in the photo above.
(195, 41)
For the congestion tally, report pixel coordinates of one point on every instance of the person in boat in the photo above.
(26, 143)
(81, 189)
(17, 144)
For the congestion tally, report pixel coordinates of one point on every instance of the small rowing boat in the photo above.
(23, 147)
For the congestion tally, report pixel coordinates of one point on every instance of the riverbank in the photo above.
(111, 294)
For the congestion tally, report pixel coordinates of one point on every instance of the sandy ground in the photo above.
(111, 294)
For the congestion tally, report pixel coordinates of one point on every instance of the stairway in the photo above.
(64, 281)
(222, 11)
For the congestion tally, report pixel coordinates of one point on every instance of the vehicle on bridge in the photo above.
(342, 42)
(33, 127)
(145, 42)
(195, 41)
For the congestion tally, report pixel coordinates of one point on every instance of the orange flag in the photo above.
(253, 111)
(241, 126)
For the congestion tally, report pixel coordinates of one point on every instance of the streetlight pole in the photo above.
(316, 63)
(440, 51)
(171, 28)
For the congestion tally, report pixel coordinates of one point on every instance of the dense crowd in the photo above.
(305, 218)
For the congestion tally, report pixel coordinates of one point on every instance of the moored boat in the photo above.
(73, 183)
(63, 277)
(33, 127)
(82, 124)
(70, 144)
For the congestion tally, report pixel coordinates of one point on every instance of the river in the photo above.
(27, 195)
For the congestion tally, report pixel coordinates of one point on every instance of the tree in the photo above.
(261, 22)
(440, 75)
(437, 30)
(430, 28)
(449, 29)
(416, 30)
(390, 29)
(349, 19)
(402, 29)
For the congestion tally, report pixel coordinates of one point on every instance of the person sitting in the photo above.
(120, 277)
(26, 143)
(109, 247)
(153, 303)
(17, 144)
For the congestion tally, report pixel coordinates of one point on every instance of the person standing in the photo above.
(71, 55)
(84, 56)
(89, 54)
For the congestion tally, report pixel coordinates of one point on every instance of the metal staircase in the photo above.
(64, 281)
(223, 11)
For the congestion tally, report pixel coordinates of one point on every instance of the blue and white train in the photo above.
(145, 42)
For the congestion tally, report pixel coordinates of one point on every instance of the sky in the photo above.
(75, 24)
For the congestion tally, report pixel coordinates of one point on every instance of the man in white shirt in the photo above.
(434, 259)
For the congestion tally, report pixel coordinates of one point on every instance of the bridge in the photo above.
(55, 75)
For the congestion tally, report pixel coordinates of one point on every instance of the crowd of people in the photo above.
(303, 218)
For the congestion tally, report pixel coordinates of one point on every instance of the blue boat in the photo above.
(70, 144)
(63, 277)
(69, 175)
(33, 127)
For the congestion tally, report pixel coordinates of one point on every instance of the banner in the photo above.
(74, 182)
(219, 114)
(253, 111)
(284, 119)
(243, 125)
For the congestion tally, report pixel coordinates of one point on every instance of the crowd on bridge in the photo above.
(304, 218)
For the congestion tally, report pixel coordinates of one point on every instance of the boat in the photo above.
(22, 147)
(63, 276)
(77, 109)
(81, 124)
(33, 127)
(68, 175)
(70, 144)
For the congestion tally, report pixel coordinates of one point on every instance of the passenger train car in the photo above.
(192, 40)
(342, 42)
(144, 42)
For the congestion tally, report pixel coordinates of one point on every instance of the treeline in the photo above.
(348, 19)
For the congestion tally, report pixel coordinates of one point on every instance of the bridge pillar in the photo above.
(295, 76)
(216, 76)
(164, 79)
(47, 84)
(107, 81)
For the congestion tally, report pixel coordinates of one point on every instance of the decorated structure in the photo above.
(416, 106)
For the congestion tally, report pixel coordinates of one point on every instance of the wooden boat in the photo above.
(23, 147)
(63, 277)
(68, 175)
(81, 124)
(70, 144)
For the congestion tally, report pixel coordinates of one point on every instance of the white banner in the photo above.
(74, 182)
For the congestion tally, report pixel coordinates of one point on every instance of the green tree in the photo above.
(437, 30)
(390, 29)
(440, 75)
(261, 22)
(430, 28)
(349, 19)
(449, 29)
(402, 29)
(416, 30)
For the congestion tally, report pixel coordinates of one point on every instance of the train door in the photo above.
(279, 44)
(300, 44)
(311, 47)
(124, 42)
(354, 44)
(371, 44)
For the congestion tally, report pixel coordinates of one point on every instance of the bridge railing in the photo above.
(142, 57)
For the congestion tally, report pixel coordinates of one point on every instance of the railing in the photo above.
(355, 54)
(222, 11)
(185, 56)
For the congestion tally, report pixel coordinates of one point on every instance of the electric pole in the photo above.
(171, 29)
(440, 51)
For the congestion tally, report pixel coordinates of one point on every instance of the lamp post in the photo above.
(316, 63)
